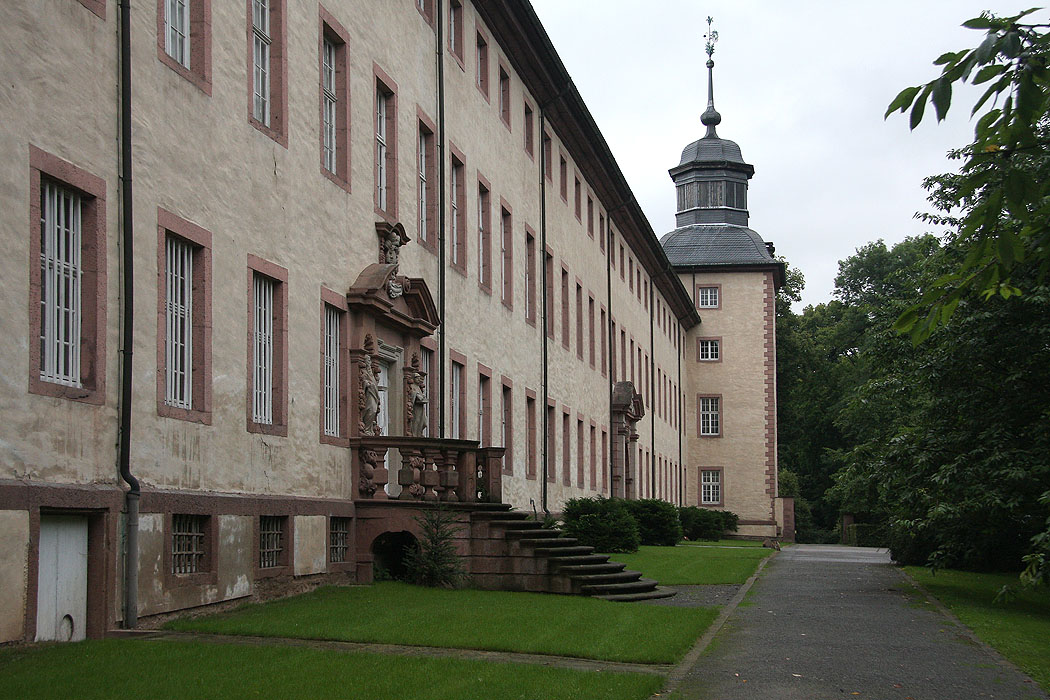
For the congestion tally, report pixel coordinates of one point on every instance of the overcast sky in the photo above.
(801, 86)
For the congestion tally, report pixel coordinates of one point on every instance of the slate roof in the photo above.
(715, 244)
(711, 150)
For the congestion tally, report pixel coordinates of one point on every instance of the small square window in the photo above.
(188, 544)
(272, 544)
(339, 540)
(707, 297)
(709, 350)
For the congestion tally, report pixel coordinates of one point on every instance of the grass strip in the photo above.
(194, 671)
(693, 565)
(1018, 629)
(397, 613)
(722, 543)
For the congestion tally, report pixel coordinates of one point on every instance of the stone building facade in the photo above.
(343, 219)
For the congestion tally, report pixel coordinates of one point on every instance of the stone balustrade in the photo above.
(426, 469)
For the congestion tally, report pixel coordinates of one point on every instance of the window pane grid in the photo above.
(426, 359)
(177, 26)
(381, 148)
(454, 218)
(707, 297)
(179, 316)
(709, 416)
(262, 404)
(339, 539)
(271, 540)
(60, 289)
(187, 544)
(423, 234)
(711, 487)
(331, 100)
(261, 61)
(709, 350)
(482, 203)
(331, 371)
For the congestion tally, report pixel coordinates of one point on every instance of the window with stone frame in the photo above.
(710, 416)
(709, 349)
(710, 487)
(338, 540)
(273, 544)
(189, 553)
(707, 297)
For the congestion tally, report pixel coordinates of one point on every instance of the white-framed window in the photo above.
(424, 144)
(381, 148)
(261, 60)
(506, 259)
(188, 551)
(178, 341)
(483, 198)
(426, 362)
(457, 174)
(707, 297)
(709, 350)
(61, 271)
(262, 397)
(710, 416)
(457, 400)
(710, 487)
(330, 104)
(177, 30)
(332, 329)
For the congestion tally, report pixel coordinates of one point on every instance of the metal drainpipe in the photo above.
(652, 394)
(131, 523)
(678, 412)
(546, 320)
(442, 164)
(612, 339)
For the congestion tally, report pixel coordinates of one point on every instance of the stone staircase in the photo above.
(542, 560)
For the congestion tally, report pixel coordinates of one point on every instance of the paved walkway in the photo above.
(838, 622)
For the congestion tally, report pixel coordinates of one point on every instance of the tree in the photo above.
(1001, 212)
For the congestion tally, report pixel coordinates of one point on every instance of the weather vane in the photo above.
(712, 38)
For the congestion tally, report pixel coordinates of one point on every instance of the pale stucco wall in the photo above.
(14, 563)
(311, 539)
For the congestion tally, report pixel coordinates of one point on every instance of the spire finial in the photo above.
(710, 118)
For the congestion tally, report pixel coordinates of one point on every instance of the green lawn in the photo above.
(195, 671)
(397, 613)
(723, 543)
(1019, 629)
(691, 564)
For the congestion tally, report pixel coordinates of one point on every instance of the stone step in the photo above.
(548, 542)
(642, 585)
(563, 551)
(518, 524)
(582, 569)
(501, 514)
(531, 534)
(625, 576)
(654, 594)
(578, 559)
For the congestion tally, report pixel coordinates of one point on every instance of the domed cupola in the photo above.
(712, 178)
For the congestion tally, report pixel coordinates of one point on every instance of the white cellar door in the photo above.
(61, 601)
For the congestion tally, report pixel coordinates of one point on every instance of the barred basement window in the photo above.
(339, 539)
(330, 102)
(710, 416)
(261, 60)
(711, 487)
(331, 371)
(187, 543)
(271, 541)
(178, 370)
(262, 399)
(177, 30)
(60, 285)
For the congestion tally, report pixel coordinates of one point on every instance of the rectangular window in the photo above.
(576, 198)
(484, 238)
(601, 234)
(529, 129)
(710, 415)
(267, 353)
(605, 462)
(188, 544)
(457, 214)
(580, 437)
(426, 363)
(590, 329)
(504, 96)
(61, 273)
(548, 164)
(594, 458)
(506, 237)
(507, 428)
(708, 350)
(579, 321)
(177, 30)
(482, 65)
(272, 541)
(711, 487)
(184, 39)
(457, 401)
(530, 443)
(484, 410)
(332, 334)
(630, 274)
(621, 262)
(338, 539)
(604, 344)
(548, 262)
(268, 93)
(707, 297)
(455, 30)
(178, 372)
(565, 340)
(563, 171)
(385, 146)
(330, 102)
(335, 123)
(530, 278)
(566, 450)
(590, 216)
(427, 184)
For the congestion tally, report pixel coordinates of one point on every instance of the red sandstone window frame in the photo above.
(529, 129)
(577, 197)
(426, 11)
(590, 326)
(602, 234)
(579, 319)
(566, 446)
(603, 340)
(97, 7)
(484, 234)
(427, 142)
(718, 295)
(507, 423)
(594, 456)
(430, 367)
(92, 189)
(504, 95)
(330, 28)
(207, 571)
(720, 414)
(199, 71)
(455, 33)
(530, 275)
(550, 465)
(590, 215)
(580, 454)
(481, 63)
(565, 320)
(531, 453)
(279, 388)
(286, 558)
(277, 129)
(385, 84)
(332, 299)
(169, 224)
(721, 486)
(484, 405)
(506, 226)
(548, 266)
(347, 564)
(548, 156)
(717, 340)
(605, 461)
(458, 400)
(458, 201)
(563, 174)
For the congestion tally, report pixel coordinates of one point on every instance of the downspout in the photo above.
(678, 414)
(546, 320)
(439, 52)
(612, 340)
(652, 393)
(131, 522)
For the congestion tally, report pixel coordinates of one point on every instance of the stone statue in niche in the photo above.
(391, 238)
(415, 398)
(369, 391)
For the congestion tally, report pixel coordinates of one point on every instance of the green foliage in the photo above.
(1000, 212)
(436, 563)
(657, 521)
(706, 524)
(865, 535)
(602, 523)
